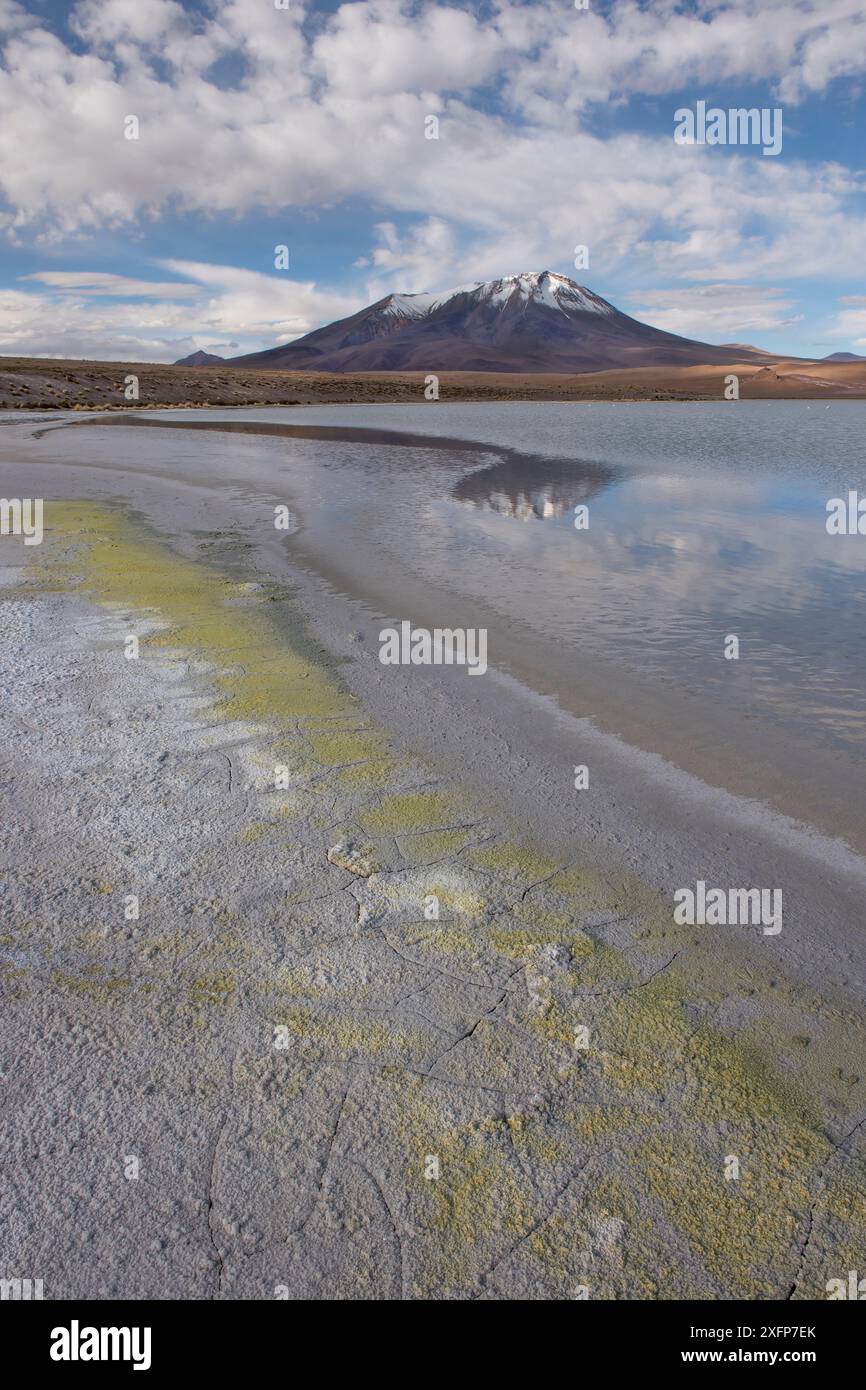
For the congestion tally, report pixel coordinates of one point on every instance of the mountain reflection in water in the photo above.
(533, 490)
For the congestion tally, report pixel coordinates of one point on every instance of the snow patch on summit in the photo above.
(555, 292)
(546, 287)
(417, 306)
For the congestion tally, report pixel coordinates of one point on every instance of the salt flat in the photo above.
(283, 1077)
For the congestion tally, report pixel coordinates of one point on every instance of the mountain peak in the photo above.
(541, 287)
(534, 321)
(199, 359)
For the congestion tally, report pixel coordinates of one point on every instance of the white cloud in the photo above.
(14, 17)
(312, 120)
(141, 22)
(98, 282)
(420, 258)
(850, 322)
(715, 311)
(382, 47)
(660, 47)
(220, 308)
(267, 307)
(313, 114)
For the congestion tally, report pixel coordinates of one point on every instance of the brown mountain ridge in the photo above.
(537, 321)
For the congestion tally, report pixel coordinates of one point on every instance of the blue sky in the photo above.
(304, 125)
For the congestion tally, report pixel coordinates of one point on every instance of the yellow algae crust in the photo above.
(717, 1096)
(260, 678)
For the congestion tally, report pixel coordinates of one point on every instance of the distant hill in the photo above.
(534, 322)
(747, 347)
(199, 359)
(843, 357)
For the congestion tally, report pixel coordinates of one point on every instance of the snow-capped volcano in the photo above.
(537, 321)
(532, 286)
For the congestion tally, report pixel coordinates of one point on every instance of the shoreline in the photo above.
(404, 1037)
(645, 713)
(61, 384)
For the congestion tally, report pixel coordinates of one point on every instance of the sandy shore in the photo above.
(42, 384)
(285, 1076)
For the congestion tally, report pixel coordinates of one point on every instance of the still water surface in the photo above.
(704, 522)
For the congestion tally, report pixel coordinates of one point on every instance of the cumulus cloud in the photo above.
(243, 107)
(383, 47)
(791, 48)
(316, 115)
(429, 251)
